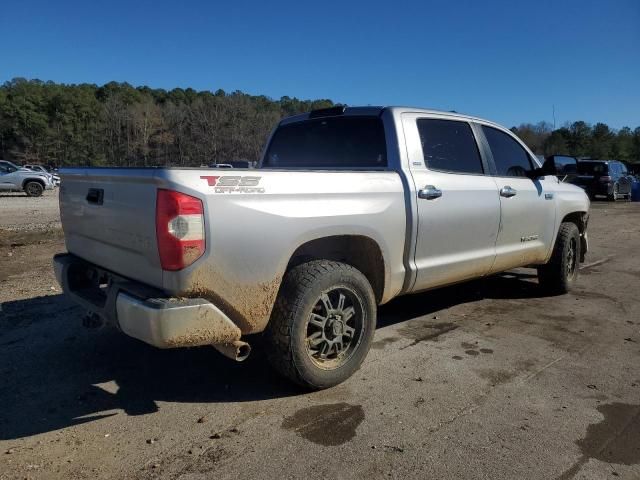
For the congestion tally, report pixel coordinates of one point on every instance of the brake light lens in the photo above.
(179, 229)
(605, 179)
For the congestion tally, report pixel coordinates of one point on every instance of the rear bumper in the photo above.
(143, 312)
(595, 188)
(602, 189)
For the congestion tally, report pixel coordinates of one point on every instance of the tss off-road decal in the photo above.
(233, 183)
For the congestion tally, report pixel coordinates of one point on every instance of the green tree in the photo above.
(635, 146)
(118, 124)
(602, 141)
(578, 141)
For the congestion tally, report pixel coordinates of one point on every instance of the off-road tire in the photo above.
(33, 189)
(558, 276)
(286, 334)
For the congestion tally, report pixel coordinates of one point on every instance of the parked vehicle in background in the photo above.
(14, 178)
(633, 169)
(635, 190)
(349, 208)
(604, 178)
(232, 164)
(566, 166)
(40, 168)
(242, 164)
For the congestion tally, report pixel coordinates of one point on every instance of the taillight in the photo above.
(179, 229)
(605, 179)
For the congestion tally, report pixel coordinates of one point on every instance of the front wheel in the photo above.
(560, 273)
(322, 324)
(33, 189)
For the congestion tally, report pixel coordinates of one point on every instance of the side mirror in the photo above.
(548, 168)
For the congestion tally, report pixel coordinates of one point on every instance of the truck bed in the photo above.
(254, 220)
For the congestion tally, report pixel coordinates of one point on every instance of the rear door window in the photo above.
(592, 168)
(449, 146)
(332, 142)
(510, 158)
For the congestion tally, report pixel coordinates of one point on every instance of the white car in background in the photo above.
(20, 179)
(39, 168)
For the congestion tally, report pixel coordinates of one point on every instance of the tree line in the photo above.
(118, 124)
(582, 140)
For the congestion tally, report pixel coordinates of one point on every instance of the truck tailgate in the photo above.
(108, 217)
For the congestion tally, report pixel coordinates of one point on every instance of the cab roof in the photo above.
(341, 110)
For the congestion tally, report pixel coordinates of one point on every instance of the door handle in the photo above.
(429, 192)
(95, 196)
(507, 191)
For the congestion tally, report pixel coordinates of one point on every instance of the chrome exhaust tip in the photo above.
(236, 350)
(92, 321)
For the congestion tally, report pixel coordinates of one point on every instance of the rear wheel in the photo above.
(560, 273)
(322, 325)
(33, 189)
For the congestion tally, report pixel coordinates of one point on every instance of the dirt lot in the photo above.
(21, 213)
(484, 380)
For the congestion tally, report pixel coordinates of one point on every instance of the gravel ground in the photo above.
(488, 379)
(21, 213)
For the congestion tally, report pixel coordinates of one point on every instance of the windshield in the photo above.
(592, 168)
(7, 163)
(335, 142)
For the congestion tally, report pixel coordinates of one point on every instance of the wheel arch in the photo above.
(359, 251)
(581, 220)
(33, 179)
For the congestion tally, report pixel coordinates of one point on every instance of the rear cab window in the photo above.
(352, 142)
(449, 146)
(593, 168)
(510, 159)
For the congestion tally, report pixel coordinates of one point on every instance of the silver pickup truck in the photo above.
(349, 208)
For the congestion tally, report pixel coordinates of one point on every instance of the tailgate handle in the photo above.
(95, 196)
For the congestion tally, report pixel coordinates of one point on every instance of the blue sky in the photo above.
(509, 61)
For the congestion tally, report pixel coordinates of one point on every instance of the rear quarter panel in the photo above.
(251, 236)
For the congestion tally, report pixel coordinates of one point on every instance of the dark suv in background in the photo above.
(564, 164)
(604, 178)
